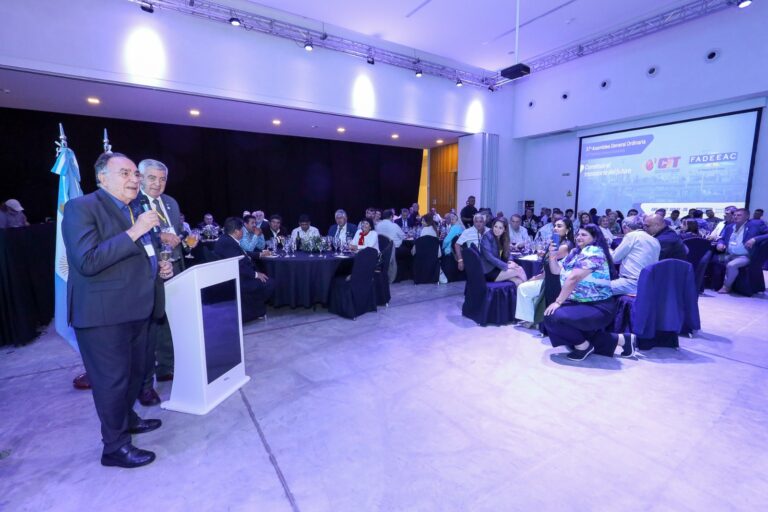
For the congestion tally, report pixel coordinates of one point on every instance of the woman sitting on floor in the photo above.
(585, 307)
(532, 292)
(494, 255)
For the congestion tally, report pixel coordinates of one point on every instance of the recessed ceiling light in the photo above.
(93, 100)
(395, 136)
(276, 122)
(744, 3)
(439, 141)
(341, 129)
(194, 112)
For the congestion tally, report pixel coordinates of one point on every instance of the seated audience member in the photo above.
(698, 216)
(256, 286)
(518, 235)
(728, 218)
(208, 221)
(580, 314)
(392, 231)
(364, 237)
(260, 221)
(636, 251)
(246, 213)
(546, 230)
(413, 217)
(470, 236)
(569, 214)
(253, 239)
(468, 212)
(376, 217)
(530, 222)
(619, 217)
(304, 232)
(691, 230)
(672, 245)
(544, 216)
(435, 216)
(712, 220)
(342, 230)
(12, 215)
(531, 292)
(605, 228)
(631, 212)
(429, 227)
(184, 224)
(494, 255)
(584, 219)
(736, 243)
(662, 212)
(615, 225)
(594, 216)
(404, 221)
(275, 229)
(674, 221)
(758, 215)
(455, 229)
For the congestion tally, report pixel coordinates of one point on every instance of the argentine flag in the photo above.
(69, 188)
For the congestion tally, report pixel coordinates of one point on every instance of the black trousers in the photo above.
(114, 359)
(159, 357)
(576, 322)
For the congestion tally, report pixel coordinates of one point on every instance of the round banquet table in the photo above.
(532, 268)
(303, 280)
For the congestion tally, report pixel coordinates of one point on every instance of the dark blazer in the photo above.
(174, 214)
(489, 253)
(672, 245)
(408, 223)
(752, 229)
(351, 229)
(110, 277)
(264, 225)
(268, 232)
(228, 247)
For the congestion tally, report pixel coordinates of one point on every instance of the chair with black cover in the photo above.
(381, 274)
(450, 266)
(699, 255)
(665, 306)
(426, 263)
(354, 295)
(484, 302)
(750, 279)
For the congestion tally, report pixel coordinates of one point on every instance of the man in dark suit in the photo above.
(256, 288)
(276, 229)
(404, 221)
(342, 229)
(261, 222)
(736, 243)
(159, 361)
(672, 246)
(111, 292)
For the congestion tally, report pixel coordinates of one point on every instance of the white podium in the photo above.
(203, 308)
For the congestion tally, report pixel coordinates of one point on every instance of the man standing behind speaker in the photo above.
(154, 176)
(113, 272)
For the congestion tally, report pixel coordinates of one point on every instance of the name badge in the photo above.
(150, 250)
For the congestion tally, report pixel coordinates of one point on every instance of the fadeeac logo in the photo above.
(666, 162)
(730, 156)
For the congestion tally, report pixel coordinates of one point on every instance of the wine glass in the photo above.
(165, 252)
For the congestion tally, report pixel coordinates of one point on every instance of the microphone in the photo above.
(144, 202)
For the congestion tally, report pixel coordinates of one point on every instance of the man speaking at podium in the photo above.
(113, 272)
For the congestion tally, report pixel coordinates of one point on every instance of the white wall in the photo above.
(686, 86)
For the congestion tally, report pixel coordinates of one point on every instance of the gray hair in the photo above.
(633, 222)
(340, 212)
(101, 163)
(450, 217)
(479, 215)
(148, 164)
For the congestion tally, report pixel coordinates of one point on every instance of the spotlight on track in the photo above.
(744, 3)
(308, 46)
(370, 60)
(235, 22)
(147, 7)
(419, 74)
(459, 83)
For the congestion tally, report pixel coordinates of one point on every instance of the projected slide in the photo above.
(702, 163)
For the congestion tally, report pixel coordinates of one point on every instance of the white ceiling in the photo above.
(34, 92)
(479, 33)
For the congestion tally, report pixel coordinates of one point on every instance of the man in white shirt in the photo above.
(392, 231)
(436, 216)
(471, 236)
(304, 232)
(636, 251)
(727, 219)
(517, 235)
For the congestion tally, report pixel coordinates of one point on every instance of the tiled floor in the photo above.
(415, 408)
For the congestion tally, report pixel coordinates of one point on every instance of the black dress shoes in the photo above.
(149, 397)
(128, 457)
(82, 381)
(144, 426)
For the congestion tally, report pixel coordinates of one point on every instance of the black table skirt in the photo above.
(303, 280)
(26, 281)
(532, 268)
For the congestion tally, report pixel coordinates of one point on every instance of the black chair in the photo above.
(450, 267)
(666, 305)
(426, 263)
(354, 295)
(381, 274)
(699, 255)
(750, 279)
(484, 302)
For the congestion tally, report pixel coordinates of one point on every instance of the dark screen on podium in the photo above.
(221, 325)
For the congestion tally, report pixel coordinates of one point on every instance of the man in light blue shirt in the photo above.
(636, 251)
(253, 239)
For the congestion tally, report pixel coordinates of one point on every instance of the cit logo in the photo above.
(668, 162)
